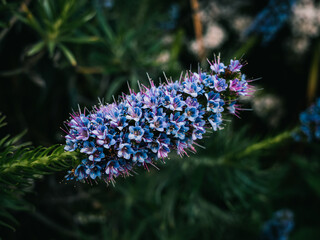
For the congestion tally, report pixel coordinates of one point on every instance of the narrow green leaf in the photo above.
(7, 225)
(35, 48)
(51, 47)
(68, 54)
(104, 25)
(81, 39)
(47, 9)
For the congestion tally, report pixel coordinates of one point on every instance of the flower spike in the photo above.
(142, 128)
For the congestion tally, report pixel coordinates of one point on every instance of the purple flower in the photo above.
(235, 66)
(163, 151)
(177, 104)
(134, 114)
(220, 84)
(83, 134)
(216, 66)
(100, 132)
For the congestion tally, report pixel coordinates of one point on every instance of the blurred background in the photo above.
(58, 54)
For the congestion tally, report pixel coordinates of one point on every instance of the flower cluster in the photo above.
(310, 123)
(141, 128)
(279, 227)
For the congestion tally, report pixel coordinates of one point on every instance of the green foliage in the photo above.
(57, 22)
(20, 165)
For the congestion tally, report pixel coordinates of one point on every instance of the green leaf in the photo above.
(68, 54)
(35, 48)
(80, 39)
(51, 46)
(47, 8)
(104, 25)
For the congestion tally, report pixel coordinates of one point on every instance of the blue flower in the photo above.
(271, 19)
(216, 66)
(134, 114)
(177, 104)
(80, 171)
(140, 156)
(279, 226)
(172, 128)
(148, 136)
(112, 168)
(100, 132)
(181, 133)
(107, 142)
(70, 145)
(310, 123)
(154, 146)
(163, 151)
(136, 133)
(125, 150)
(220, 84)
(83, 134)
(191, 113)
(88, 148)
(215, 104)
(158, 124)
(192, 89)
(97, 155)
(215, 121)
(94, 171)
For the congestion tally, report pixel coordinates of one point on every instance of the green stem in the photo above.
(229, 159)
(266, 144)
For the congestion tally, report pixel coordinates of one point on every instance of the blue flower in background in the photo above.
(271, 19)
(279, 227)
(310, 123)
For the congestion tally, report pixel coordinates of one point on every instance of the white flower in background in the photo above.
(305, 25)
(213, 38)
(268, 107)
